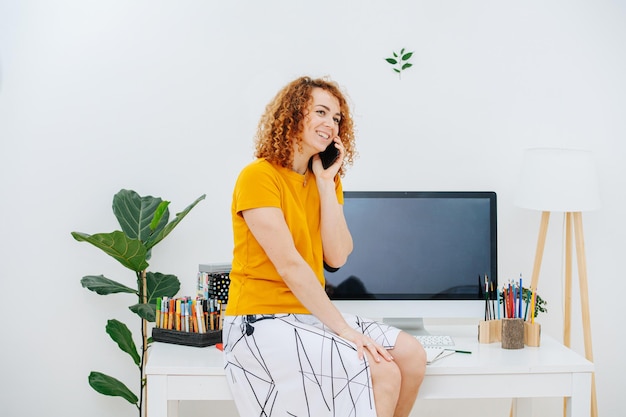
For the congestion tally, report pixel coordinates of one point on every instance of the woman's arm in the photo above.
(336, 237)
(269, 228)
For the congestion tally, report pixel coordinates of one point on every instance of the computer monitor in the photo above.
(417, 255)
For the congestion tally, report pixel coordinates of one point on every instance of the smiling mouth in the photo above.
(323, 135)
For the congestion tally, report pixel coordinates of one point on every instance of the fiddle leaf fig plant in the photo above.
(144, 222)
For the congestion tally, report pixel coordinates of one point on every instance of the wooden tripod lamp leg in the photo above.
(584, 301)
(567, 300)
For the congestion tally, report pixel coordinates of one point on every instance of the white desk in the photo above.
(177, 373)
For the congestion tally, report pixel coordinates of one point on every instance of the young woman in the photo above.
(288, 350)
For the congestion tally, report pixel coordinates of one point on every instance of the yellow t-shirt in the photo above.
(255, 286)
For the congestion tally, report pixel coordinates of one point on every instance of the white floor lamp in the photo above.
(563, 180)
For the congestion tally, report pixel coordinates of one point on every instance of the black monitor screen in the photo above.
(418, 245)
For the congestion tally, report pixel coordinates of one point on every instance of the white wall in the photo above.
(163, 98)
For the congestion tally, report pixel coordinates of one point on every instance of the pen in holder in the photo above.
(512, 333)
(489, 331)
(532, 334)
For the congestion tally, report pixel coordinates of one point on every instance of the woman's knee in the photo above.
(409, 356)
(386, 376)
(385, 371)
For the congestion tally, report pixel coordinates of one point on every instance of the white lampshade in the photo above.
(558, 180)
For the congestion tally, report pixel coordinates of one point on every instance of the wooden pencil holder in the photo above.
(532, 334)
(512, 333)
(489, 331)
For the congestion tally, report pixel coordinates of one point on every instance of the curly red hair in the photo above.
(283, 120)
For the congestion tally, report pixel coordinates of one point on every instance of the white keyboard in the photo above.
(432, 340)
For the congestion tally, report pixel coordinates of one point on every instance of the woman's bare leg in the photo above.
(396, 383)
(386, 382)
(410, 358)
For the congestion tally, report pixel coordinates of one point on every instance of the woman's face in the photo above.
(321, 123)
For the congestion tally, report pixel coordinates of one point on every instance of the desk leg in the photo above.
(157, 404)
(579, 404)
(522, 407)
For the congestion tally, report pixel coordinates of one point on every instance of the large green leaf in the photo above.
(161, 285)
(104, 286)
(160, 235)
(129, 252)
(108, 385)
(145, 311)
(160, 212)
(135, 213)
(123, 337)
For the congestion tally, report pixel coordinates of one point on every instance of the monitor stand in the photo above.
(414, 325)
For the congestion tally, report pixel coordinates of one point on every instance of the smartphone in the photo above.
(329, 155)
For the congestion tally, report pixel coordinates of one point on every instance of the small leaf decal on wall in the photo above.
(400, 61)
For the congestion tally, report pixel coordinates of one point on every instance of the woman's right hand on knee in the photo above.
(363, 343)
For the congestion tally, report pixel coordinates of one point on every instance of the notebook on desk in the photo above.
(436, 353)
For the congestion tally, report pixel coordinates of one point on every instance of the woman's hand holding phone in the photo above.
(329, 155)
(332, 155)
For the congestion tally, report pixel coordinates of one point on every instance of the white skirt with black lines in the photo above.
(286, 365)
